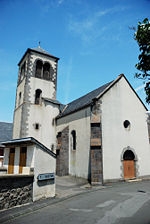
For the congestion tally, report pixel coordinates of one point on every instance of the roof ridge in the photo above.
(40, 49)
(91, 92)
(111, 84)
(83, 101)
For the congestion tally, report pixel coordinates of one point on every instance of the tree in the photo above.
(142, 36)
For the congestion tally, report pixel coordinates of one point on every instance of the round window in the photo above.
(126, 123)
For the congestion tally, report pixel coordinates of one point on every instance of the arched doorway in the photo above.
(129, 164)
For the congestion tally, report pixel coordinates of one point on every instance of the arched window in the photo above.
(22, 72)
(23, 67)
(73, 134)
(46, 71)
(38, 71)
(38, 95)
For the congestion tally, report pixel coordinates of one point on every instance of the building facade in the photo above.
(30, 154)
(102, 136)
(106, 135)
(25, 156)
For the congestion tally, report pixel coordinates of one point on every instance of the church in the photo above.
(102, 136)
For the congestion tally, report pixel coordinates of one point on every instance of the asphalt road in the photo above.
(121, 203)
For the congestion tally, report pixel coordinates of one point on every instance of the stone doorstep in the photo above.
(133, 180)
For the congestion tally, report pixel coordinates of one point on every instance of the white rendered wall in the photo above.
(43, 115)
(17, 160)
(47, 88)
(119, 104)
(79, 158)
(6, 157)
(43, 163)
(18, 111)
(30, 156)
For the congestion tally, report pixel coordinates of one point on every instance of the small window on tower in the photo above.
(22, 72)
(19, 101)
(38, 71)
(46, 71)
(38, 95)
(37, 126)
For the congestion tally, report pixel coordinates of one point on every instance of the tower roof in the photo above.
(38, 50)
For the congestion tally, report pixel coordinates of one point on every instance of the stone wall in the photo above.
(96, 166)
(96, 146)
(15, 190)
(62, 161)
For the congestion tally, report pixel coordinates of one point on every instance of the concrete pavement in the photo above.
(66, 187)
(69, 186)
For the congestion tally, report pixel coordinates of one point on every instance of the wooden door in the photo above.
(129, 169)
(11, 161)
(23, 156)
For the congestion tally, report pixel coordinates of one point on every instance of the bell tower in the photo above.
(36, 105)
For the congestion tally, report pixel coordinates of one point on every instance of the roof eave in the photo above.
(114, 82)
(17, 141)
(108, 87)
(74, 111)
(101, 94)
(51, 101)
(136, 93)
(27, 141)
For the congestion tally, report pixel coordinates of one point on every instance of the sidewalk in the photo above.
(66, 187)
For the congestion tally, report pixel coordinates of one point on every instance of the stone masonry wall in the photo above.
(62, 161)
(15, 190)
(96, 166)
(96, 145)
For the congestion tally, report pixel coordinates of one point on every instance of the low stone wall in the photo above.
(15, 190)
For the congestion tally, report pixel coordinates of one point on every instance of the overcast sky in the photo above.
(91, 38)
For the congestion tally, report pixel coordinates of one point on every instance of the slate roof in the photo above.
(5, 131)
(38, 50)
(28, 140)
(84, 100)
(87, 99)
(51, 100)
(42, 51)
(61, 106)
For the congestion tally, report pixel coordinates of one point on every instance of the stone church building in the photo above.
(102, 136)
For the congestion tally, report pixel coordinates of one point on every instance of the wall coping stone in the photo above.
(3, 168)
(2, 176)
